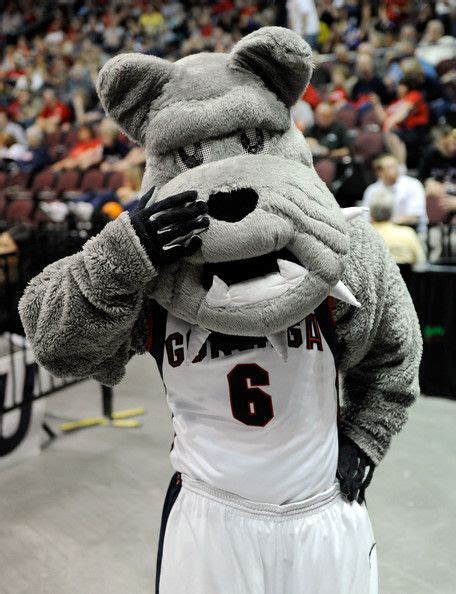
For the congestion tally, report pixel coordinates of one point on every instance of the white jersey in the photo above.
(247, 422)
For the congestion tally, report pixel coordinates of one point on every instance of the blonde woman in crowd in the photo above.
(402, 242)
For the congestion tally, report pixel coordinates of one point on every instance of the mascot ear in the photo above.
(127, 84)
(280, 57)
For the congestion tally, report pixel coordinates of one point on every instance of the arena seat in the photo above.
(19, 211)
(68, 181)
(70, 138)
(17, 178)
(54, 138)
(326, 169)
(93, 179)
(113, 180)
(43, 181)
(435, 213)
(57, 152)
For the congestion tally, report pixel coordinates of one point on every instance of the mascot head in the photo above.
(220, 124)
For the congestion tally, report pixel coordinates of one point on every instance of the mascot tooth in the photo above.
(218, 295)
(279, 342)
(340, 291)
(226, 275)
(354, 211)
(198, 337)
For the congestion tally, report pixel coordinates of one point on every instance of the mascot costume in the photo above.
(253, 290)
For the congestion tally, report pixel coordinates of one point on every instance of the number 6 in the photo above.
(250, 404)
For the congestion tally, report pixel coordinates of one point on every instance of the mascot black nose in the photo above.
(232, 206)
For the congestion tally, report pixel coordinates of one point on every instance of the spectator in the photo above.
(435, 46)
(327, 137)
(433, 33)
(109, 202)
(113, 149)
(37, 156)
(367, 82)
(343, 56)
(303, 19)
(338, 95)
(54, 112)
(407, 116)
(409, 207)
(82, 155)
(402, 242)
(10, 149)
(129, 192)
(81, 102)
(302, 114)
(438, 168)
(135, 156)
(302, 111)
(408, 34)
(25, 108)
(9, 127)
(152, 21)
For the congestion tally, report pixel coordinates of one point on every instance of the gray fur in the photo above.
(295, 210)
(84, 315)
(381, 345)
(281, 60)
(80, 312)
(127, 84)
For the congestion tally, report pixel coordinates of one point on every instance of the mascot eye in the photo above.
(192, 155)
(253, 141)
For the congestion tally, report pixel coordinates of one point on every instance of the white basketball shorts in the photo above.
(213, 542)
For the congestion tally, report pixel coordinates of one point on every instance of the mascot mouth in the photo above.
(266, 277)
(249, 281)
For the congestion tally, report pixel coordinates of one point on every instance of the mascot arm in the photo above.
(381, 346)
(82, 314)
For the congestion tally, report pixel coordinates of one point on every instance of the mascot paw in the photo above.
(354, 470)
(169, 229)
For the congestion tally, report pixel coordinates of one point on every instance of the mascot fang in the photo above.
(254, 292)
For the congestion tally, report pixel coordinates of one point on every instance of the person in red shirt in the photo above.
(410, 110)
(311, 96)
(83, 152)
(54, 112)
(407, 117)
(338, 94)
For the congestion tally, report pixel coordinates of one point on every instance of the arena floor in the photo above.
(83, 517)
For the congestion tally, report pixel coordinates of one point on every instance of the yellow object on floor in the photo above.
(131, 412)
(83, 423)
(129, 423)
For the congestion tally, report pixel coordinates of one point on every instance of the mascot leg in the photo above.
(213, 542)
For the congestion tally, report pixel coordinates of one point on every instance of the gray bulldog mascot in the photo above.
(258, 297)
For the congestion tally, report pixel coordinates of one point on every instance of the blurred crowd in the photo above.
(379, 113)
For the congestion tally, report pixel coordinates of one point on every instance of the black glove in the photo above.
(169, 229)
(354, 470)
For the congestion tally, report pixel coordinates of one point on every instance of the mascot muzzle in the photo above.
(275, 248)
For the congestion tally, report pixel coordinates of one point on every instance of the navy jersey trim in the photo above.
(171, 496)
(156, 326)
(327, 326)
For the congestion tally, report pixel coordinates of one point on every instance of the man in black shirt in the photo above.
(438, 168)
(327, 138)
(367, 81)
